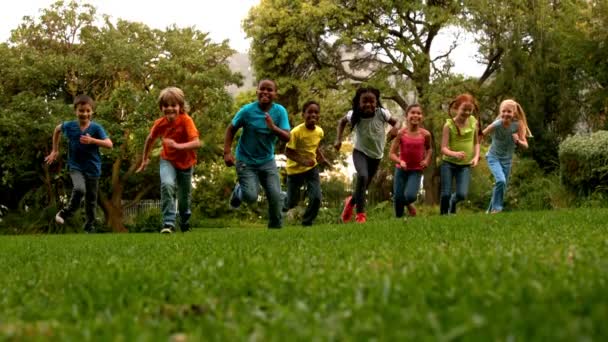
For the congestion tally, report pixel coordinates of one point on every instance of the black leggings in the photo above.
(366, 169)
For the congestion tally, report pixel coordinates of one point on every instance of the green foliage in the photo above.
(584, 162)
(463, 277)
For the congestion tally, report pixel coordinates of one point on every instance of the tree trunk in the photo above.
(114, 215)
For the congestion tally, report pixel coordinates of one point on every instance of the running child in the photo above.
(411, 151)
(179, 138)
(508, 132)
(460, 149)
(368, 120)
(303, 155)
(84, 161)
(262, 121)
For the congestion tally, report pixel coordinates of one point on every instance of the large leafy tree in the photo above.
(123, 65)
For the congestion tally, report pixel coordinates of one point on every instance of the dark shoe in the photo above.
(167, 229)
(90, 230)
(185, 227)
(235, 198)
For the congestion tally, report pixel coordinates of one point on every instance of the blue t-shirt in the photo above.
(256, 145)
(503, 145)
(83, 157)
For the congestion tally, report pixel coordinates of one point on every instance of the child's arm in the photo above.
(475, 159)
(321, 157)
(520, 137)
(429, 150)
(294, 155)
(55, 151)
(145, 158)
(488, 130)
(445, 142)
(228, 137)
(190, 145)
(284, 135)
(396, 126)
(88, 139)
(341, 125)
(394, 153)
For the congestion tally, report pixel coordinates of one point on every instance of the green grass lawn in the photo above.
(514, 276)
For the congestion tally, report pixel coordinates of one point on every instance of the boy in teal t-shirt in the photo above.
(262, 122)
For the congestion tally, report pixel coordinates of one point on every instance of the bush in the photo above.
(530, 188)
(583, 162)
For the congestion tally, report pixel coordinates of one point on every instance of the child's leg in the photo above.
(167, 192)
(313, 187)
(366, 169)
(412, 185)
(90, 202)
(500, 181)
(269, 178)
(463, 178)
(184, 197)
(446, 187)
(248, 180)
(294, 183)
(78, 191)
(399, 191)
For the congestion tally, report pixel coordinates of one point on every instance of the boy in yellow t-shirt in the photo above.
(302, 153)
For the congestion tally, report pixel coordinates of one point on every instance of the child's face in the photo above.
(465, 109)
(414, 116)
(266, 92)
(311, 115)
(170, 109)
(507, 113)
(367, 103)
(84, 112)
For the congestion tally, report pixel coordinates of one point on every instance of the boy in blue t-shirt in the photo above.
(84, 162)
(262, 122)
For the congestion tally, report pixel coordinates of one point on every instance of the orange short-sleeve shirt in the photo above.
(182, 130)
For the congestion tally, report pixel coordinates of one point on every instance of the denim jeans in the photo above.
(366, 169)
(462, 174)
(405, 188)
(251, 176)
(83, 186)
(313, 189)
(500, 168)
(175, 184)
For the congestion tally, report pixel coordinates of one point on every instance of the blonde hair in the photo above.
(173, 95)
(520, 115)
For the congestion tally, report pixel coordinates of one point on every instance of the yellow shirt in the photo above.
(305, 142)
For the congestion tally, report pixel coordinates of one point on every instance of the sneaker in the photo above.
(235, 198)
(411, 210)
(167, 229)
(90, 230)
(347, 212)
(185, 227)
(59, 217)
(361, 218)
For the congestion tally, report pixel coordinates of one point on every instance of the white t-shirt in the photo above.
(370, 133)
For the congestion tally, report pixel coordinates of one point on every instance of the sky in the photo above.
(221, 18)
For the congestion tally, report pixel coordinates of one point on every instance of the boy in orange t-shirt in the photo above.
(177, 159)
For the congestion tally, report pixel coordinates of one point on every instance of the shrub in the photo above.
(583, 162)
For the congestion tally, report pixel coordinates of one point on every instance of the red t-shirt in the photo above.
(182, 130)
(412, 149)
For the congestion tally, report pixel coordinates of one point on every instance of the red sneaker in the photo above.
(347, 212)
(411, 210)
(361, 218)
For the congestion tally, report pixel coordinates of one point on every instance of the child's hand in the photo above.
(474, 161)
(459, 155)
(337, 145)
(170, 143)
(86, 139)
(424, 164)
(51, 157)
(143, 165)
(229, 159)
(515, 138)
(269, 121)
(402, 165)
(309, 162)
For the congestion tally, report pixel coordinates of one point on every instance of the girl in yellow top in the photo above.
(460, 149)
(303, 155)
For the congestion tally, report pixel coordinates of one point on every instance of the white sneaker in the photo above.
(58, 218)
(166, 230)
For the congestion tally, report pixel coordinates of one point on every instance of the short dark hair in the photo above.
(83, 99)
(309, 103)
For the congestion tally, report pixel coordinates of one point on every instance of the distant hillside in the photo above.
(239, 62)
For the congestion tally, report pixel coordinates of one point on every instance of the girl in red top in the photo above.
(411, 151)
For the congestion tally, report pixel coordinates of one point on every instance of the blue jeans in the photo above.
(250, 178)
(313, 189)
(462, 174)
(500, 168)
(405, 188)
(175, 184)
